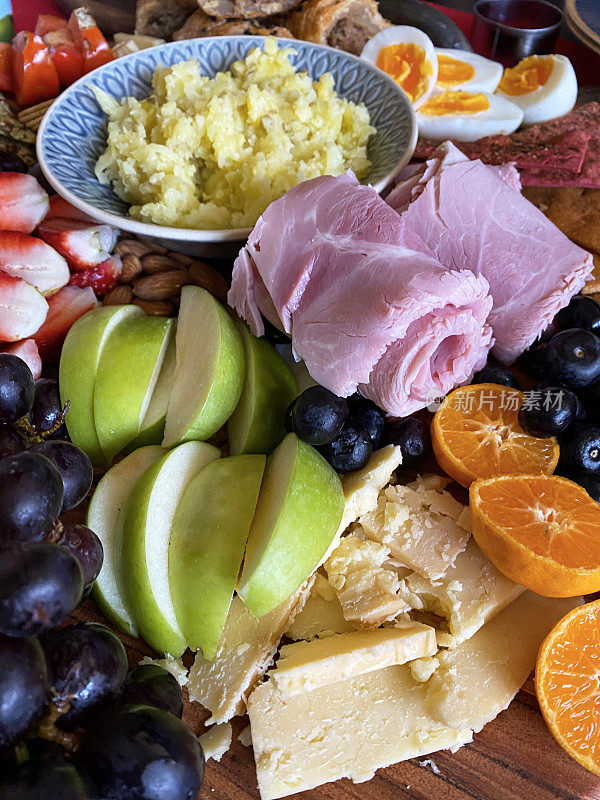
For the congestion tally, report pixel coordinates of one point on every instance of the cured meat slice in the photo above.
(365, 304)
(472, 216)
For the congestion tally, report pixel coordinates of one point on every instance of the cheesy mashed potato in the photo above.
(214, 152)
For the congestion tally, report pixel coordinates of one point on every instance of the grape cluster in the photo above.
(74, 724)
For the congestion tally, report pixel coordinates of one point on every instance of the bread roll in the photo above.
(159, 18)
(200, 24)
(345, 24)
(246, 9)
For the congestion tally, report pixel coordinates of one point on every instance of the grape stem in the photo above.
(55, 533)
(49, 731)
(38, 436)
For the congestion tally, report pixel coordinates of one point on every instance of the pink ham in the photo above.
(329, 264)
(473, 216)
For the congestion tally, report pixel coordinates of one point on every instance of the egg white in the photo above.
(501, 117)
(487, 73)
(404, 34)
(555, 98)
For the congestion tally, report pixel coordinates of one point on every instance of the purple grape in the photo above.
(24, 687)
(16, 388)
(41, 779)
(74, 466)
(46, 410)
(31, 497)
(85, 546)
(11, 441)
(151, 685)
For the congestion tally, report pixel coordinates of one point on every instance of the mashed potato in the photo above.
(213, 153)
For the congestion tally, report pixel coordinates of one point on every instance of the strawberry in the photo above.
(59, 207)
(22, 311)
(83, 244)
(27, 351)
(101, 278)
(33, 260)
(23, 202)
(66, 307)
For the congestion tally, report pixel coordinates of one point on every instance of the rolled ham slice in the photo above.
(473, 216)
(365, 307)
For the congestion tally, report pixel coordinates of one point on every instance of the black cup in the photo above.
(509, 30)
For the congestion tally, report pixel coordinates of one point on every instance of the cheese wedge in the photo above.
(216, 741)
(305, 666)
(321, 616)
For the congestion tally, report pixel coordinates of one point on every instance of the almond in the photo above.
(161, 286)
(156, 308)
(119, 296)
(181, 258)
(132, 247)
(155, 263)
(132, 268)
(208, 278)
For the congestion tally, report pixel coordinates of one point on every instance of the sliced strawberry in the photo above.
(22, 309)
(101, 278)
(59, 207)
(26, 350)
(23, 202)
(66, 307)
(27, 257)
(83, 244)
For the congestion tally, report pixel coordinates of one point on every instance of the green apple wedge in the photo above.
(209, 373)
(153, 425)
(127, 374)
(102, 517)
(144, 531)
(208, 539)
(258, 423)
(79, 361)
(299, 510)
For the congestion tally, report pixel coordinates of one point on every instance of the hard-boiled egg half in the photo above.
(544, 87)
(467, 116)
(408, 56)
(460, 70)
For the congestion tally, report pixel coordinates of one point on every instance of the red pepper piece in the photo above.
(66, 56)
(34, 74)
(89, 38)
(6, 67)
(46, 23)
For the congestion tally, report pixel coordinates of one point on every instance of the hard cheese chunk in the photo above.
(348, 729)
(321, 616)
(421, 525)
(305, 666)
(470, 594)
(247, 648)
(477, 680)
(367, 591)
(216, 741)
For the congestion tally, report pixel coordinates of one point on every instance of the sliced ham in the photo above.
(473, 216)
(366, 306)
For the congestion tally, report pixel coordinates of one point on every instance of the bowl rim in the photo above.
(201, 234)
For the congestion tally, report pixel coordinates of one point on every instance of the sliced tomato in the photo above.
(34, 74)
(66, 56)
(89, 38)
(46, 23)
(6, 67)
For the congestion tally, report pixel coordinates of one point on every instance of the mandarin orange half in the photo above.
(476, 434)
(567, 681)
(542, 531)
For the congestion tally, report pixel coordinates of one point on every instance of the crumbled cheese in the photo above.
(173, 665)
(423, 668)
(245, 737)
(216, 741)
(427, 762)
(368, 593)
(321, 616)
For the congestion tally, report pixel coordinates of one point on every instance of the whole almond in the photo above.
(156, 262)
(161, 286)
(156, 308)
(208, 278)
(119, 296)
(132, 247)
(181, 258)
(132, 268)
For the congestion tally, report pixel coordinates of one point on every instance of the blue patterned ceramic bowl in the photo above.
(73, 132)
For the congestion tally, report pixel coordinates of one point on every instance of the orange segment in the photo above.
(476, 434)
(567, 684)
(542, 531)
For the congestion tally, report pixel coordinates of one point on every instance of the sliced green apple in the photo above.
(127, 374)
(258, 423)
(144, 529)
(299, 510)
(209, 373)
(208, 539)
(79, 361)
(102, 517)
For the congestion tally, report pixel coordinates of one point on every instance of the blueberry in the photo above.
(317, 415)
(350, 450)
(582, 312)
(589, 481)
(496, 373)
(573, 356)
(367, 415)
(547, 411)
(580, 449)
(412, 435)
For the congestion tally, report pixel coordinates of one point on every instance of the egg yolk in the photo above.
(455, 103)
(408, 65)
(452, 72)
(527, 76)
